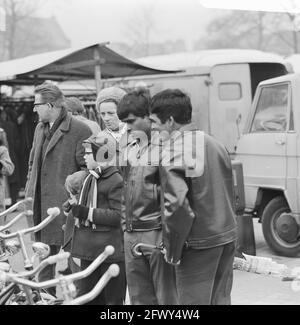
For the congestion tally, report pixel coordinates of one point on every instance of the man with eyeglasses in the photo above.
(57, 152)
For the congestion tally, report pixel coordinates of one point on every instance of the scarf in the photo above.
(50, 131)
(117, 135)
(88, 193)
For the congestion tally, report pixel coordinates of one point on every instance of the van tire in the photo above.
(273, 209)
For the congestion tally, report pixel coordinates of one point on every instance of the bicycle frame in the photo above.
(65, 282)
(9, 291)
(15, 220)
(52, 214)
(16, 206)
(112, 271)
(28, 264)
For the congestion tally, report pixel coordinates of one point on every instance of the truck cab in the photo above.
(269, 150)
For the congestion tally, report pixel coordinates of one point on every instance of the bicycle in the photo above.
(8, 248)
(41, 250)
(65, 283)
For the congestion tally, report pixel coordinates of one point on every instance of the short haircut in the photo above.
(172, 102)
(50, 93)
(136, 102)
(74, 105)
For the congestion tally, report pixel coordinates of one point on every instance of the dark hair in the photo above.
(136, 102)
(50, 93)
(172, 102)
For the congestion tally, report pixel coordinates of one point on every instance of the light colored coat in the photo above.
(7, 170)
(64, 156)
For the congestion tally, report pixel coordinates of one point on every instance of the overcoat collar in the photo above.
(64, 127)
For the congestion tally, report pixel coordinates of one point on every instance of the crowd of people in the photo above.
(150, 176)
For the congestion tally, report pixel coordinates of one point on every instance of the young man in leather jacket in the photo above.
(199, 229)
(150, 279)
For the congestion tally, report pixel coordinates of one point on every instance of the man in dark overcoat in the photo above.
(57, 152)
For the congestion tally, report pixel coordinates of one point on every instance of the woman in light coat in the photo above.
(6, 167)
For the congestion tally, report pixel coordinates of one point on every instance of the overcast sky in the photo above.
(88, 21)
(256, 5)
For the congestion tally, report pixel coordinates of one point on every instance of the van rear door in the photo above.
(229, 101)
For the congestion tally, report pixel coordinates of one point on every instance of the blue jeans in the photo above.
(204, 276)
(150, 280)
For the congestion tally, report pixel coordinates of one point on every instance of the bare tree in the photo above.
(140, 28)
(242, 29)
(16, 11)
(291, 7)
(267, 31)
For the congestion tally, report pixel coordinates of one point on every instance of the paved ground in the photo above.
(248, 288)
(255, 289)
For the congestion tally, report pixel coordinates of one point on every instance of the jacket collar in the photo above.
(186, 128)
(65, 124)
(64, 127)
(189, 127)
(107, 172)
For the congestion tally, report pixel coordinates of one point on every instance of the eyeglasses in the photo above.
(39, 104)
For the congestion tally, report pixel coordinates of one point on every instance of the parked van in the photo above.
(221, 84)
(269, 150)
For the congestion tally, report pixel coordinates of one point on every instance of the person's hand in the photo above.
(171, 261)
(168, 259)
(66, 207)
(80, 212)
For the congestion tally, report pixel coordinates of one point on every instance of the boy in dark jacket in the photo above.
(98, 215)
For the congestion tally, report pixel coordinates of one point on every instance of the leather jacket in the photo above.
(198, 193)
(141, 193)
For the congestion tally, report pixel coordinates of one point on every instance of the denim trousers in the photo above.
(150, 280)
(205, 276)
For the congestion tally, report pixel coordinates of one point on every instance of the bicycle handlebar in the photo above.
(112, 271)
(48, 261)
(52, 214)
(15, 206)
(6, 277)
(57, 258)
(16, 219)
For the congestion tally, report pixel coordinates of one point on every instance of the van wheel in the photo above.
(280, 228)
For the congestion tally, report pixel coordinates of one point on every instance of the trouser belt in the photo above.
(143, 225)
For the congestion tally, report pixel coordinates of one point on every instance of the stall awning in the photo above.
(71, 64)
